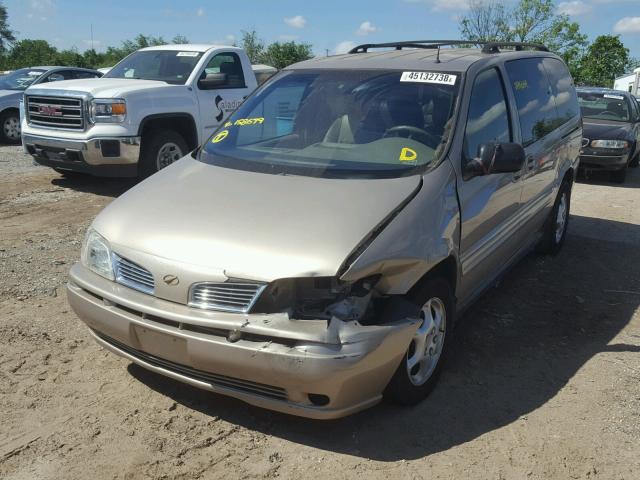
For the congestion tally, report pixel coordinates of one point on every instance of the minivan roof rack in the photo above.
(488, 46)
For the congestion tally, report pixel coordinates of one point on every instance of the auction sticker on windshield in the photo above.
(187, 54)
(429, 77)
(615, 97)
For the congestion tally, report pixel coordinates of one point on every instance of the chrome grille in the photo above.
(133, 276)
(55, 112)
(227, 296)
(213, 379)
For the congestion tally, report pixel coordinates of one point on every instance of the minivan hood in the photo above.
(249, 225)
(98, 87)
(605, 130)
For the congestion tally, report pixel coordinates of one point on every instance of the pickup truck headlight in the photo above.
(609, 144)
(96, 255)
(107, 110)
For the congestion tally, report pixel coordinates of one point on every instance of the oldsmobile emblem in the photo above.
(171, 280)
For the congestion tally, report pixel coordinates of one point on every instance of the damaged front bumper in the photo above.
(310, 368)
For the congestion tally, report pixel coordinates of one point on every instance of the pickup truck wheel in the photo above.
(160, 150)
(10, 124)
(556, 226)
(421, 366)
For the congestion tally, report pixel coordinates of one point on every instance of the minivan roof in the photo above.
(450, 59)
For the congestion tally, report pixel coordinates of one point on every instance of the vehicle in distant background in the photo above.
(611, 134)
(104, 70)
(13, 85)
(629, 82)
(149, 110)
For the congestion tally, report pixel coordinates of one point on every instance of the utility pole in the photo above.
(92, 36)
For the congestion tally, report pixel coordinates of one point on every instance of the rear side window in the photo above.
(562, 89)
(488, 118)
(536, 108)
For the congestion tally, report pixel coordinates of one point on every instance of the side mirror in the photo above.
(495, 158)
(212, 80)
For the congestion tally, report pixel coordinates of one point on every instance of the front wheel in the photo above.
(159, 150)
(422, 364)
(10, 127)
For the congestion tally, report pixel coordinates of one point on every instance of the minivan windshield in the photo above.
(339, 123)
(20, 79)
(171, 66)
(604, 106)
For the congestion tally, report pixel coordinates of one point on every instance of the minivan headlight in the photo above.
(609, 144)
(107, 110)
(96, 255)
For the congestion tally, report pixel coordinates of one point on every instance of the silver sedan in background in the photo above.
(13, 85)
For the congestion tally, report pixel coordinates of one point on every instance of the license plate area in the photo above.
(162, 345)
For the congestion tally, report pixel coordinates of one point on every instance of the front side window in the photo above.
(20, 79)
(333, 123)
(169, 66)
(536, 106)
(59, 76)
(605, 106)
(229, 64)
(488, 118)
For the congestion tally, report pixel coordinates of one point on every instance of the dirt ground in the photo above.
(544, 382)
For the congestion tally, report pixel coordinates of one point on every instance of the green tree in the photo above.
(179, 40)
(7, 36)
(280, 55)
(486, 20)
(30, 53)
(253, 45)
(71, 58)
(534, 21)
(606, 59)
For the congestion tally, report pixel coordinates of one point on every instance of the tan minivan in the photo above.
(311, 256)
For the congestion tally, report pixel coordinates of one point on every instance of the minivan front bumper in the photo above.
(307, 368)
(108, 156)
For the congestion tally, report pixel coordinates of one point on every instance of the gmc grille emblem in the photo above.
(50, 110)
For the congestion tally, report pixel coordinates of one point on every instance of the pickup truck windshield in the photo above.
(169, 66)
(344, 124)
(604, 106)
(20, 79)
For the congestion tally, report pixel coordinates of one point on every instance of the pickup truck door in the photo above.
(489, 203)
(215, 105)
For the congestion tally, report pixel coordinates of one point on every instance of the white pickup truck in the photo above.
(147, 112)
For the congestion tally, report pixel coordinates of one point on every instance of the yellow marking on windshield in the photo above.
(241, 122)
(220, 137)
(408, 155)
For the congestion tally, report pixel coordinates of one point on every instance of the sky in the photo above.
(329, 25)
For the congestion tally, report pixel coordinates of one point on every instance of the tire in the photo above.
(10, 127)
(409, 386)
(160, 148)
(618, 176)
(555, 230)
(71, 175)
